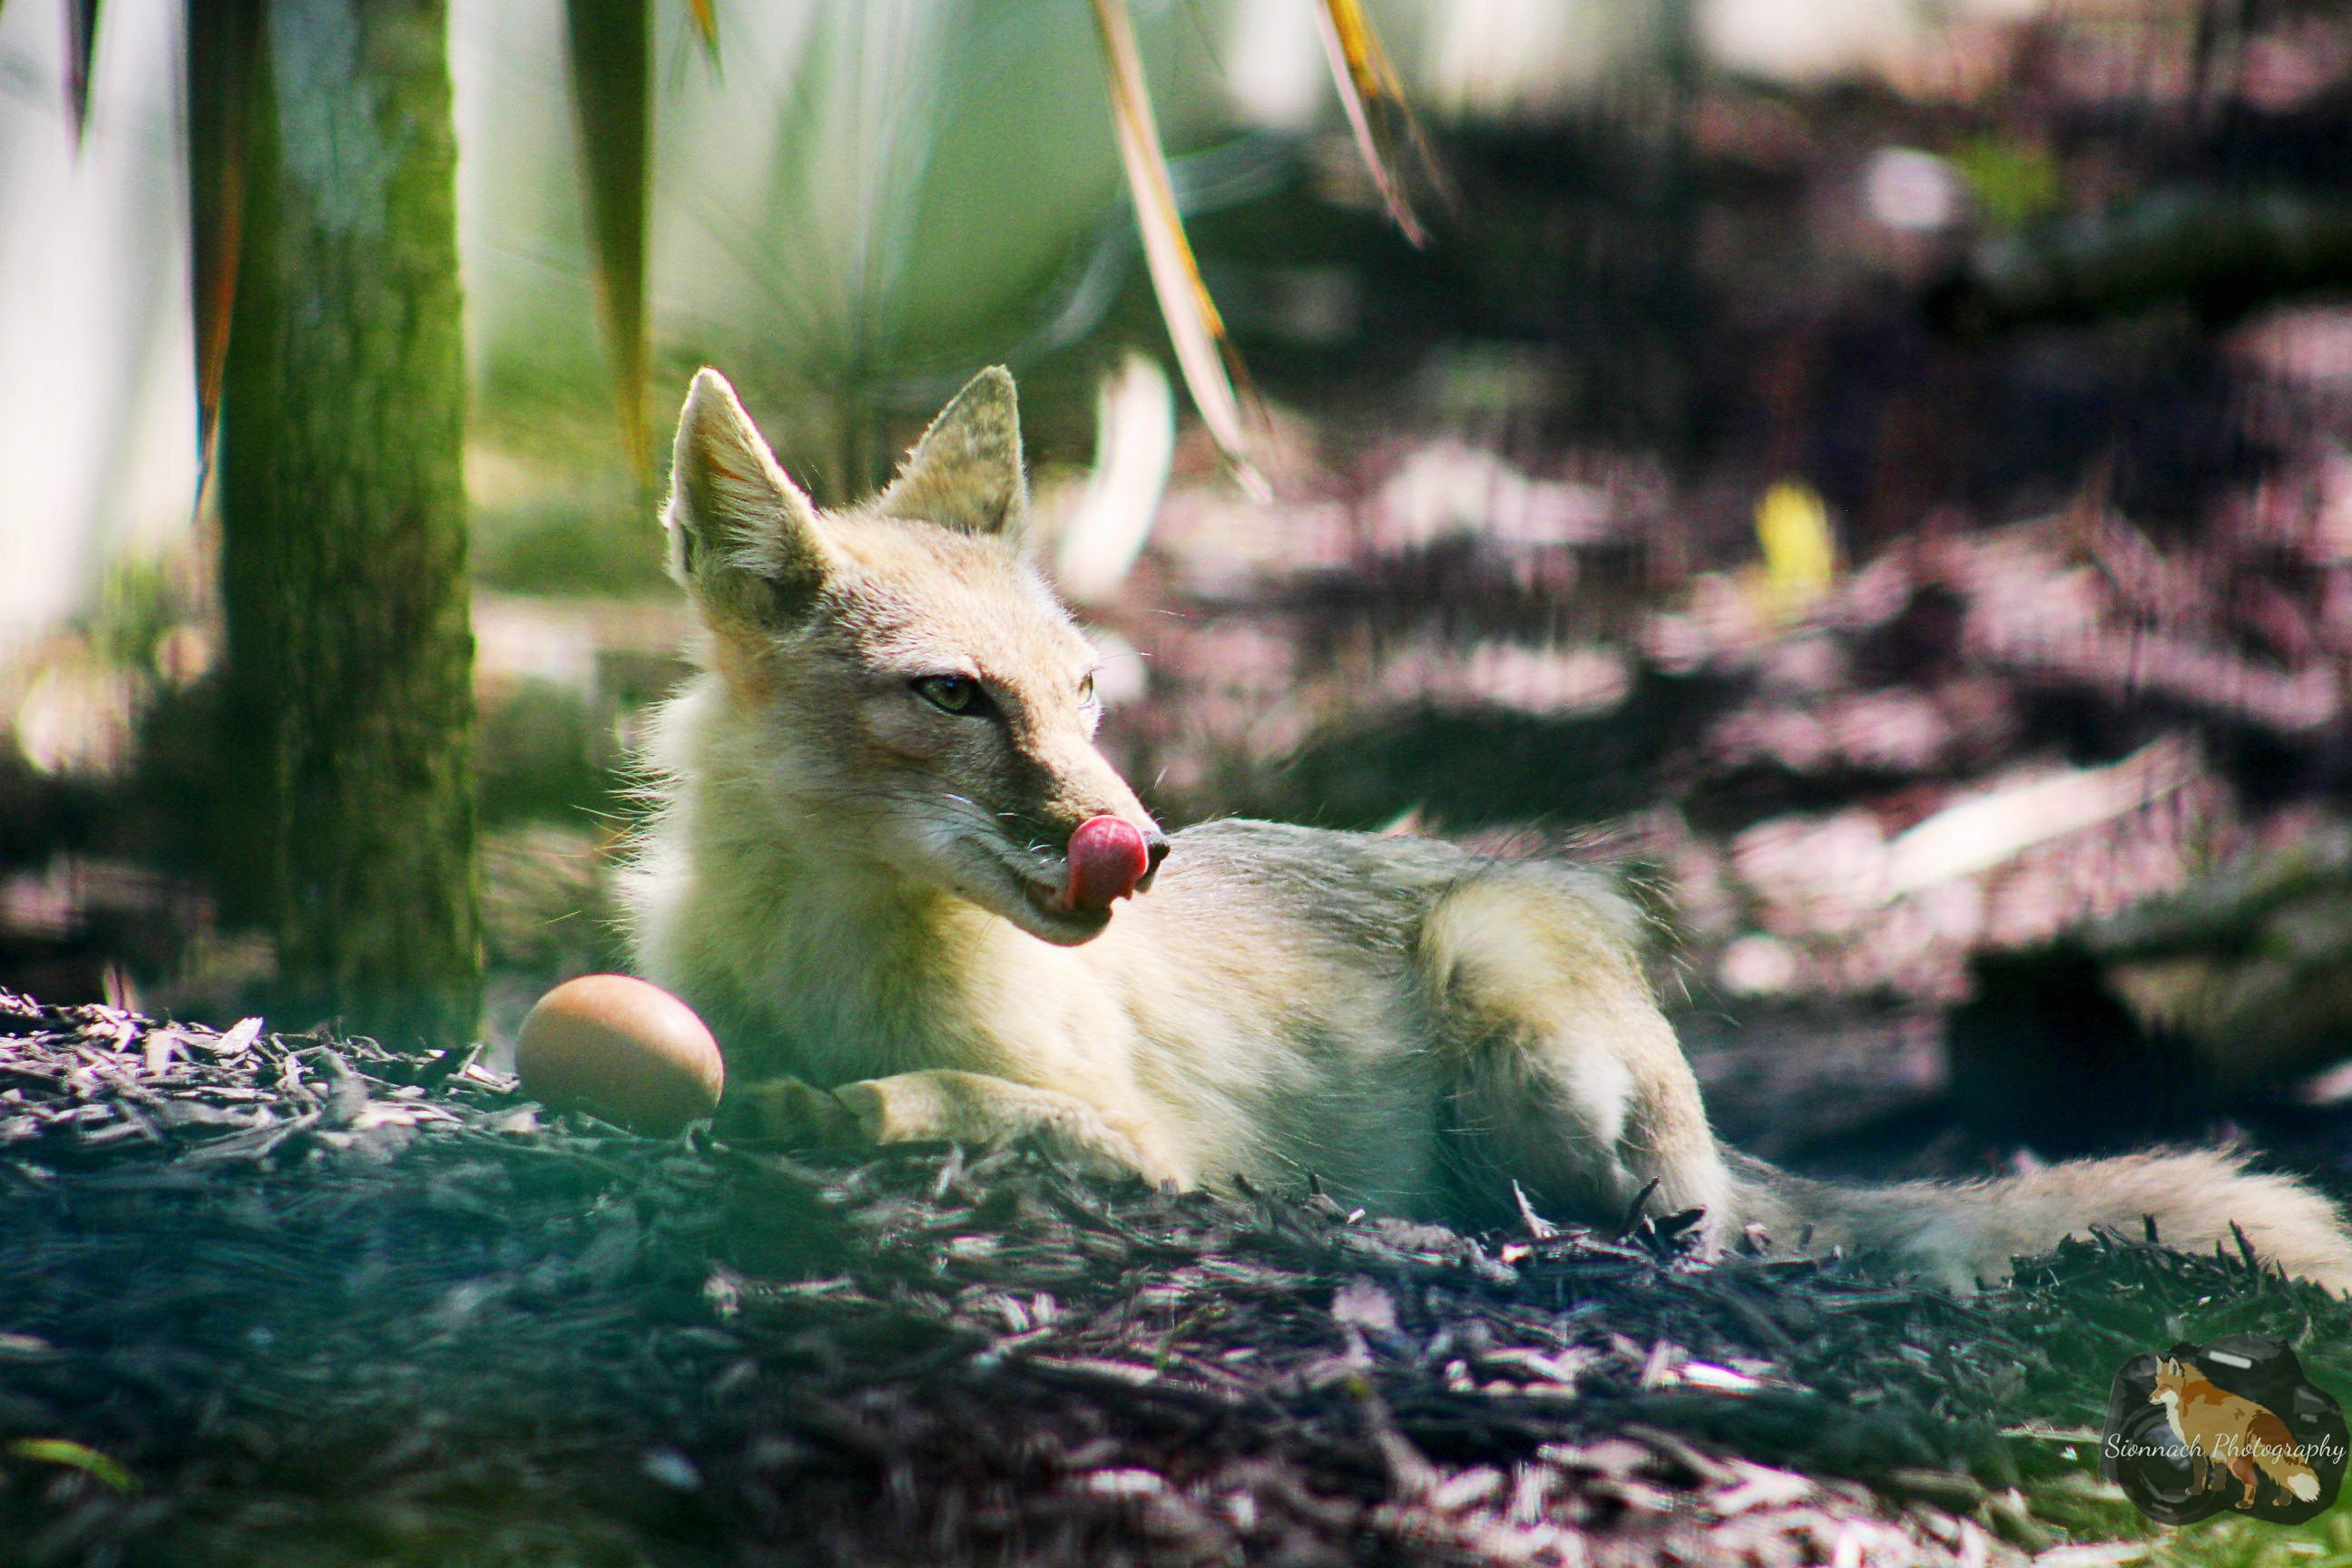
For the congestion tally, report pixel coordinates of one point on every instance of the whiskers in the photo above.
(1040, 843)
(965, 819)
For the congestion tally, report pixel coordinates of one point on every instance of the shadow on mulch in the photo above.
(331, 1306)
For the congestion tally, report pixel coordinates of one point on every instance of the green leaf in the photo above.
(75, 1457)
(611, 97)
(1801, 552)
(2014, 181)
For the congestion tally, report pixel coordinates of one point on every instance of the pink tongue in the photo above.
(1106, 859)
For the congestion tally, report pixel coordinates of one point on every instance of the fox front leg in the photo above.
(786, 1110)
(978, 1108)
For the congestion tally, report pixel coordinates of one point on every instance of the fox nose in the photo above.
(1155, 850)
(1109, 860)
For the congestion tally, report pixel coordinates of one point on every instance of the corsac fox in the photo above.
(2219, 1428)
(884, 871)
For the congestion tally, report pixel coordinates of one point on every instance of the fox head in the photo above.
(2174, 1379)
(909, 682)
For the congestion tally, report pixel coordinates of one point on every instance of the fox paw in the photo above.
(1121, 1145)
(1106, 1143)
(792, 1113)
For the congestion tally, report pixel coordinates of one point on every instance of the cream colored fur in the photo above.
(850, 878)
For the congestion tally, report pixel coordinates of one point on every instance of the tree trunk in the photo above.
(348, 761)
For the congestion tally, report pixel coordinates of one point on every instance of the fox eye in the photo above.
(1086, 692)
(951, 693)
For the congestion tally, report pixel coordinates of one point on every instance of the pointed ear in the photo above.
(744, 539)
(965, 473)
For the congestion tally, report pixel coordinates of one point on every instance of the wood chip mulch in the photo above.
(296, 1299)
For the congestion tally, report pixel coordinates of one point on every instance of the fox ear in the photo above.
(965, 473)
(742, 537)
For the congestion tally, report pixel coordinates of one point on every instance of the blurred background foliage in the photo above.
(1809, 419)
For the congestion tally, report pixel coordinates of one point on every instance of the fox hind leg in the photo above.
(1565, 1078)
(2242, 1466)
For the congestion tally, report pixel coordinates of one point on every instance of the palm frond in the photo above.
(82, 44)
(706, 26)
(1204, 353)
(1376, 106)
(610, 98)
(223, 81)
(1135, 438)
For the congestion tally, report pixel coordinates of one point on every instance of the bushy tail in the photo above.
(1964, 1233)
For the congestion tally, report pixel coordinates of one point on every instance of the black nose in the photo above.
(1155, 850)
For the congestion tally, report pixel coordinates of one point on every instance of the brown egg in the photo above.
(627, 1050)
